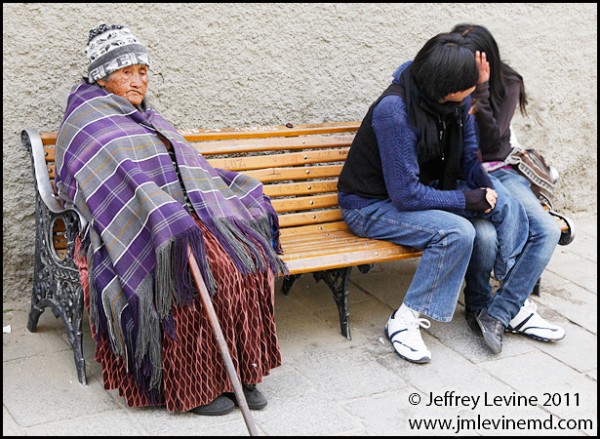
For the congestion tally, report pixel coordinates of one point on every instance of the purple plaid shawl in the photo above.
(113, 168)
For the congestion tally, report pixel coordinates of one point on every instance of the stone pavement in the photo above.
(328, 385)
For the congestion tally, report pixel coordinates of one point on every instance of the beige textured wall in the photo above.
(226, 64)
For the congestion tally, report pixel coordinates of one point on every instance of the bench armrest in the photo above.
(33, 142)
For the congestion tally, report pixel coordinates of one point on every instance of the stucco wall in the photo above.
(219, 65)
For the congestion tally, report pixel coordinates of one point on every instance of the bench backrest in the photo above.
(298, 165)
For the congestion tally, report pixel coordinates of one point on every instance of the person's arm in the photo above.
(398, 148)
(474, 173)
(494, 125)
(484, 197)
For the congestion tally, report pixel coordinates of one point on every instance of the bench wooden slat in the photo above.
(313, 228)
(274, 131)
(339, 236)
(246, 163)
(59, 227)
(49, 153)
(344, 241)
(60, 242)
(328, 245)
(303, 173)
(245, 146)
(314, 217)
(48, 138)
(301, 188)
(299, 263)
(332, 247)
(282, 205)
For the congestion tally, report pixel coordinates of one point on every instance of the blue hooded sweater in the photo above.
(398, 160)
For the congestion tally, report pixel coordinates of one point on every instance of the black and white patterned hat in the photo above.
(112, 47)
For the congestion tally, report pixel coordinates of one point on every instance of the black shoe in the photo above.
(492, 330)
(220, 406)
(255, 399)
(471, 317)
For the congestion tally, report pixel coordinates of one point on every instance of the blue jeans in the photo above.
(544, 233)
(447, 243)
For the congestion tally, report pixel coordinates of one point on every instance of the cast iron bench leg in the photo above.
(337, 280)
(75, 333)
(73, 319)
(56, 283)
(288, 283)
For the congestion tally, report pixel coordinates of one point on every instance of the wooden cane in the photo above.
(218, 333)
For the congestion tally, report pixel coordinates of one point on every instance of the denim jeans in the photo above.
(512, 229)
(447, 242)
(544, 233)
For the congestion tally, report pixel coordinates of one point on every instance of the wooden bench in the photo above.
(299, 166)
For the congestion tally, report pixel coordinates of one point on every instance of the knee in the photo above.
(485, 233)
(549, 230)
(464, 232)
(486, 241)
(510, 205)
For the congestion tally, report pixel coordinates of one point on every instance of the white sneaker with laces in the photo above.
(404, 332)
(528, 322)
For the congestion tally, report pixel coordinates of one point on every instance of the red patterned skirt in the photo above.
(194, 373)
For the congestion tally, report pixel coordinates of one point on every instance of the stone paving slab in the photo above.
(559, 389)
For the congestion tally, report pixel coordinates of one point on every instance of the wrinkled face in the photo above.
(130, 82)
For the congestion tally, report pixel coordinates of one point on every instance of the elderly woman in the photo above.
(148, 197)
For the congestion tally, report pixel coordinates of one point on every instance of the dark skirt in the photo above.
(194, 373)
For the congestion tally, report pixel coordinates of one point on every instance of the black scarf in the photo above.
(440, 148)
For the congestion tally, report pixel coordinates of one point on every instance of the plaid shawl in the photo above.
(113, 168)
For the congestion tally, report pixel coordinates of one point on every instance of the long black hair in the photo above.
(480, 38)
(444, 65)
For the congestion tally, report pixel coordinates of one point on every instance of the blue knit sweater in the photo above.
(397, 141)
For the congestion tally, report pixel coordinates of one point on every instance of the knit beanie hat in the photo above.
(112, 47)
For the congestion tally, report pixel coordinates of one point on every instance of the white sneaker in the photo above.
(528, 322)
(405, 334)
